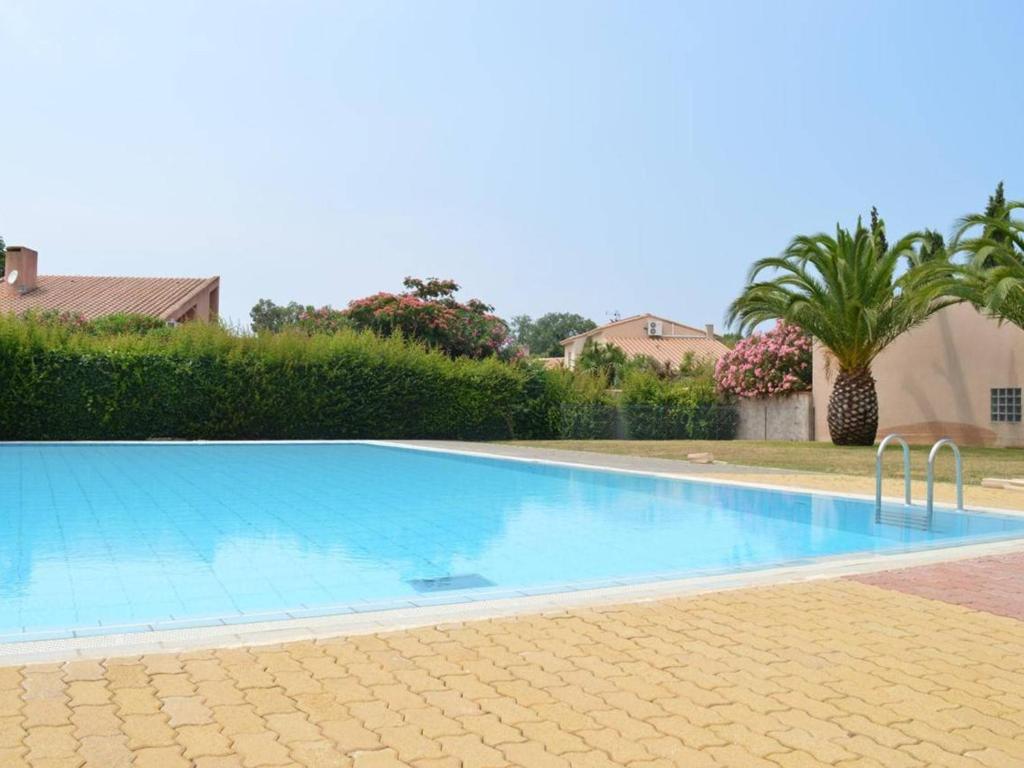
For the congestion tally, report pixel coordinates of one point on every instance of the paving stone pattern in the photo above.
(831, 673)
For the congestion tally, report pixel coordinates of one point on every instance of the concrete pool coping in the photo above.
(287, 630)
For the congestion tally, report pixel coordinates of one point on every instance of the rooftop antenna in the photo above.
(613, 315)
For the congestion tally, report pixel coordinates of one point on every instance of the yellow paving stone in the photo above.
(13, 757)
(533, 755)
(620, 749)
(68, 761)
(554, 738)
(173, 685)
(204, 670)
(319, 707)
(995, 758)
(827, 673)
(293, 682)
(12, 731)
(148, 731)
(11, 703)
(215, 693)
(384, 758)
(46, 712)
(96, 720)
(433, 723)
(293, 726)
(136, 701)
(232, 761)
(409, 742)
(45, 682)
(235, 719)
(202, 741)
(105, 751)
(934, 755)
(84, 670)
(894, 758)
(88, 692)
(125, 675)
(438, 762)
(161, 757)
(259, 749)
(269, 701)
(472, 752)
(318, 754)
(350, 735)
(162, 664)
(249, 675)
(50, 741)
(375, 714)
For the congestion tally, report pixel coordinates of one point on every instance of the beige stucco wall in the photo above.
(628, 329)
(935, 380)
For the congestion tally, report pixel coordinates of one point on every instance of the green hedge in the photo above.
(202, 382)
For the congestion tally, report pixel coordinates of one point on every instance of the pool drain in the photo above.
(444, 583)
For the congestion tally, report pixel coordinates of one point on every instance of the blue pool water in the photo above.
(100, 538)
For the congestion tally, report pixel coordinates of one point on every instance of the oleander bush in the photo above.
(199, 381)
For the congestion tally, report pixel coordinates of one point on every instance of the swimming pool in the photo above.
(99, 538)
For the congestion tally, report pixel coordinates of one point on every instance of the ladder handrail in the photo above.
(959, 474)
(878, 470)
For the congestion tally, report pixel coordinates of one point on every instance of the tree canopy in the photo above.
(542, 336)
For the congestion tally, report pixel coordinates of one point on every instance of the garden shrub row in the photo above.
(203, 382)
(200, 381)
(649, 408)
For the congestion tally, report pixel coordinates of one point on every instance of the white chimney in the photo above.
(21, 269)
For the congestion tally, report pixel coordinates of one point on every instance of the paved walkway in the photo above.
(838, 673)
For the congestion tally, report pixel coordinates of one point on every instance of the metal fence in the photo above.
(600, 421)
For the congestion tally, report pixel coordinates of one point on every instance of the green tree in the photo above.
(846, 291)
(268, 317)
(542, 336)
(3, 256)
(993, 242)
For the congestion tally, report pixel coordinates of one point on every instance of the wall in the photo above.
(776, 418)
(935, 380)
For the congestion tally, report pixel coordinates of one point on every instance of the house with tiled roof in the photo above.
(174, 299)
(666, 341)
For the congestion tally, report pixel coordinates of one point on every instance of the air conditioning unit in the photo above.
(654, 328)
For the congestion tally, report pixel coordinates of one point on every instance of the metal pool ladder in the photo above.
(878, 472)
(959, 474)
(908, 517)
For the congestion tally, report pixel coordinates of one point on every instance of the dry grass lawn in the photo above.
(810, 457)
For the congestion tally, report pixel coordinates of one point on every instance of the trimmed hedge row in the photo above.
(202, 382)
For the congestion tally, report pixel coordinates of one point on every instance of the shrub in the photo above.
(428, 312)
(659, 409)
(587, 411)
(112, 325)
(777, 362)
(199, 381)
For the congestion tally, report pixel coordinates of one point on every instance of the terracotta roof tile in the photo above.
(98, 296)
(672, 350)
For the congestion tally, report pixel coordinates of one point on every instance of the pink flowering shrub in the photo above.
(322, 320)
(776, 362)
(429, 312)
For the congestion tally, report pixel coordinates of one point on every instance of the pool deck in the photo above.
(830, 673)
(908, 660)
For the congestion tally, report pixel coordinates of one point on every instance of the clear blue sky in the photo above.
(572, 156)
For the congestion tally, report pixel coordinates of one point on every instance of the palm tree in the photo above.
(993, 241)
(605, 360)
(847, 292)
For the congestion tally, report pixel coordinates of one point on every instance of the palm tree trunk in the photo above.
(853, 409)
